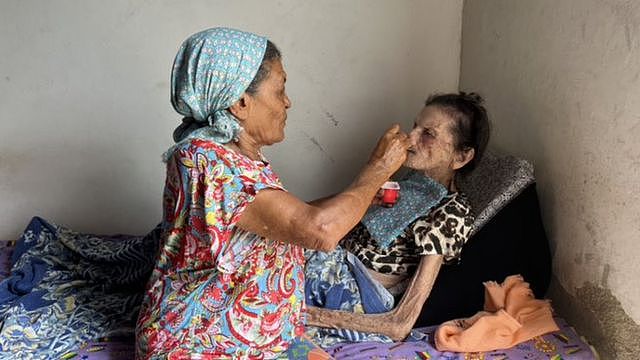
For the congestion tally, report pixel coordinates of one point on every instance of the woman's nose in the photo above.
(413, 137)
(287, 102)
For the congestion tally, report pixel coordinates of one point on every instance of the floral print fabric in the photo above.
(331, 283)
(218, 291)
(66, 288)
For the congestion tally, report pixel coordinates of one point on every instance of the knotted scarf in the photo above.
(212, 69)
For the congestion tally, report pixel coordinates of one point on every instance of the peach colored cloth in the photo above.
(512, 315)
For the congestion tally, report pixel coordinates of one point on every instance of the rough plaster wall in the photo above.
(562, 81)
(84, 95)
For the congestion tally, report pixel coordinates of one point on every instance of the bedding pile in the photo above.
(67, 288)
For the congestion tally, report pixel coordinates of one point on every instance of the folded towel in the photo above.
(512, 315)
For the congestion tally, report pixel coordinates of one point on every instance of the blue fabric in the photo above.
(335, 296)
(210, 72)
(17, 287)
(73, 288)
(375, 298)
(27, 240)
(334, 287)
(329, 282)
(334, 282)
(418, 194)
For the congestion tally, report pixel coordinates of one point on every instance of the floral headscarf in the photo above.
(211, 71)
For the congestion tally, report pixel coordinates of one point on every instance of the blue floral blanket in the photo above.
(67, 288)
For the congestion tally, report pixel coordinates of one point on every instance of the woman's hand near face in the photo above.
(391, 150)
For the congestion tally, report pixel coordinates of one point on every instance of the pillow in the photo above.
(496, 180)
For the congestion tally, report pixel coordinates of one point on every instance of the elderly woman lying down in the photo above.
(351, 291)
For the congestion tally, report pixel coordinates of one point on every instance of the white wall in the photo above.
(562, 81)
(84, 95)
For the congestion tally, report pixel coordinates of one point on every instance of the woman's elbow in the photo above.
(321, 235)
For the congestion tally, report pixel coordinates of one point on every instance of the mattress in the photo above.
(564, 344)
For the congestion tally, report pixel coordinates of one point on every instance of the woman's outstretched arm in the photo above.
(281, 216)
(396, 323)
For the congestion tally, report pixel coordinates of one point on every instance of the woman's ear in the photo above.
(241, 108)
(463, 157)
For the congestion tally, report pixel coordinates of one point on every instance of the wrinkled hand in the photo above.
(391, 150)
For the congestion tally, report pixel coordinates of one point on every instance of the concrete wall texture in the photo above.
(562, 82)
(85, 95)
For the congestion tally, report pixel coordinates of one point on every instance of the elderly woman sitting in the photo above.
(429, 224)
(228, 281)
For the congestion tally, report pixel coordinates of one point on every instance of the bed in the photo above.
(66, 295)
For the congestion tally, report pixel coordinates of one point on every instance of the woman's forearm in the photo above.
(321, 224)
(396, 323)
(339, 213)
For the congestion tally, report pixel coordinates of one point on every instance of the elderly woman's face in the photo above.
(268, 115)
(432, 143)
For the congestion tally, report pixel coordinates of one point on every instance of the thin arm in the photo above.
(396, 323)
(278, 215)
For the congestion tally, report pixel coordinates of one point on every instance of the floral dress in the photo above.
(218, 291)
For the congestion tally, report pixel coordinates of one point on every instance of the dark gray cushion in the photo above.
(495, 181)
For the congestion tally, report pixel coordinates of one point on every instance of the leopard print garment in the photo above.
(443, 231)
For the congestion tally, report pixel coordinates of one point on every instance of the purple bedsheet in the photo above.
(564, 344)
